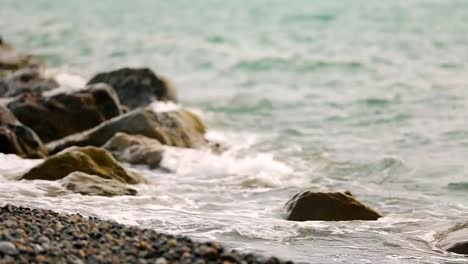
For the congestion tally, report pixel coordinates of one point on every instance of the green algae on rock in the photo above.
(86, 184)
(90, 160)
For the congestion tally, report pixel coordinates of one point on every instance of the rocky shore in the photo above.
(84, 136)
(42, 236)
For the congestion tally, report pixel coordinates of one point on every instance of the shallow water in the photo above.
(366, 96)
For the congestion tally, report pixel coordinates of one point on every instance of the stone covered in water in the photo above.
(137, 87)
(85, 184)
(135, 149)
(328, 206)
(455, 239)
(90, 160)
(64, 114)
(24, 81)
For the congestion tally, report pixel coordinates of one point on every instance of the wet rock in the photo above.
(85, 184)
(137, 87)
(8, 248)
(90, 160)
(64, 114)
(328, 206)
(135, 149)
(26, 80)
(15, 138)
(175, 128)
(455, 239)
(12, 60)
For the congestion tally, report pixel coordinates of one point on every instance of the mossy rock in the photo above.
(85, 184)
(90, 160)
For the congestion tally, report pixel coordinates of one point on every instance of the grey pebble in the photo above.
(160, 261)
(8, 248)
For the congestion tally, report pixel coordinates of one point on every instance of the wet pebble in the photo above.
(43, 236)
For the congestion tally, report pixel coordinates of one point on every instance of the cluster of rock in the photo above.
(81, 134)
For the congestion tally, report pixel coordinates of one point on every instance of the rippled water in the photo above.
(367, 96)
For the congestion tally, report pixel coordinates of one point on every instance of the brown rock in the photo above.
(15, 138)
(85, 184)
(176, 128)
(328, 206)
(135, 149)
(64, 114)
(11, 59)
(26, 80)
(90, 160)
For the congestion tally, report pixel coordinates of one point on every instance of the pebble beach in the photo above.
(43, 236)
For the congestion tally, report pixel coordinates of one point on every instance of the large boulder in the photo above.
(85, 184)
(64, 114)
(12, 60)
(15, 138)
(26, 80)
(455, 239)
(137, 87)
(90, 160)
(328, 206)
(179, 128)
(135, 149)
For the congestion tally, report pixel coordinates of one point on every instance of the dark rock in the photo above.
(86, 184)
(137, 87)
(135, 149)
(15, 138)
(26, 80)
(328, 206)
(64, 114)
(177, 128)
(90, 160)
(455, 239)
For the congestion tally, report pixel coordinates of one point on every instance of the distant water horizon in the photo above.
(365, 96)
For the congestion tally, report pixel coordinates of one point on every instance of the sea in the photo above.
(322, 95)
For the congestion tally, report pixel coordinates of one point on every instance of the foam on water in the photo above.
(366, 96)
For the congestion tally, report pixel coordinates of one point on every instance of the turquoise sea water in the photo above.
(366, 96)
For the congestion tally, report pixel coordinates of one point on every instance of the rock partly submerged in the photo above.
(328, 206)
(86, 184)
(26, 80)
(180, 128)
(135, 149)
(455, 239)
(12, 60)
(60, 115)
(15, 138)
(137, 87)
(90, 160)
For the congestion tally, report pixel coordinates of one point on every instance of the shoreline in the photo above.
(44, 236)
